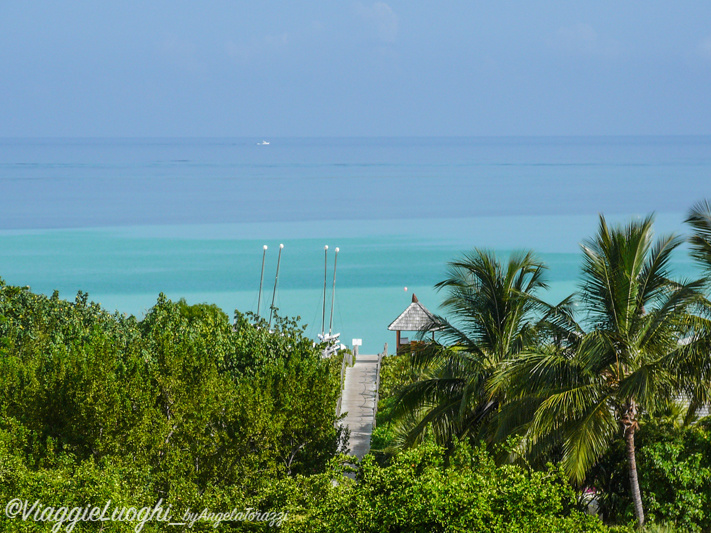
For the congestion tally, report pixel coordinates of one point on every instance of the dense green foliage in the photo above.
(426, 490)
(674, 465)
(184, 407)
(180, 406)
(396, 372)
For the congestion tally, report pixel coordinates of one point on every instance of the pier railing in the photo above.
(377, 381)
(346, 361)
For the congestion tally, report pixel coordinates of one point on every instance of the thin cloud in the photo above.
(705, 47)
(583, 40)
(380, 18)
(246, 52)
(180, 52)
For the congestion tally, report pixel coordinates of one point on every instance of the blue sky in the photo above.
(324, 68)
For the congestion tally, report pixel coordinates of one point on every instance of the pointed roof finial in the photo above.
(415, 318)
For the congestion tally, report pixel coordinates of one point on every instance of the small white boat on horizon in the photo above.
(263, 143)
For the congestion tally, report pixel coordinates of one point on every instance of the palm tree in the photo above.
(494, 309)
(700, 220)
(643, 348)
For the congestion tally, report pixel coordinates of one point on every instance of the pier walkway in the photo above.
(359, 399)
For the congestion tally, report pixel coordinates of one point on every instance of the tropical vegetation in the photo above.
(430, 489)
(571, 380)
(495, 310)
(636, 354)
(519, 416)
(183, 406)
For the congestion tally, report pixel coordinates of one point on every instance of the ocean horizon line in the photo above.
(581, 136)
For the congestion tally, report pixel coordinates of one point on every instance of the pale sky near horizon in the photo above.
(318, 68)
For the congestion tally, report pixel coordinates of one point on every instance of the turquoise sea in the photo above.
(125, 219)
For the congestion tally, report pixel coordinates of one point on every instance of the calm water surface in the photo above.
(125, 219)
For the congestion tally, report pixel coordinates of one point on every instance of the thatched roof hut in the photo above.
(415, 318)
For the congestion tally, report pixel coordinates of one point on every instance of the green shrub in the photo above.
(181, 405)
(674, 469)
(421, 490)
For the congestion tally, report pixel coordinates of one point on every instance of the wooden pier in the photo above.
(359, 400)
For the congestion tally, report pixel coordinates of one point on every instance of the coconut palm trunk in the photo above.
(630, 426)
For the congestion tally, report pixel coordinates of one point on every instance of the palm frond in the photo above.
(673, 311)
(587, 440)
(426, 393)
(699, 219)
(494, 310)
(560, 408)
(655, 274)
(613, 262)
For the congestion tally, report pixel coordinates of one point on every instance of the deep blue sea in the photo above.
(126, 219)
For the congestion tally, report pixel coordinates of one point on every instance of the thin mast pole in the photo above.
(333, 291)
(276, 279)
(261, 280)
(325, 274)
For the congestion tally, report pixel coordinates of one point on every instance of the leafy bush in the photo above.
(395, 373)
(181, 405)
(424, 491)
(674, 469)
